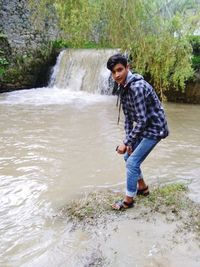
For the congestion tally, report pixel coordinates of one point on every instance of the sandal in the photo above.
(122, 205)
(143, 192)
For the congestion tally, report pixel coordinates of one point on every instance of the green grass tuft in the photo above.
(170, 200)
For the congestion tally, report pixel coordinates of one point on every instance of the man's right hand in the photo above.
(121, 149)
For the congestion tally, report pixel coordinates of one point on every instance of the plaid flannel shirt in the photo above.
(144, 114)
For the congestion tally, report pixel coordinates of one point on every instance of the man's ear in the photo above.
(127, 67)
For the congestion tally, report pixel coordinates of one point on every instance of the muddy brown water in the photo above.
(57, 144)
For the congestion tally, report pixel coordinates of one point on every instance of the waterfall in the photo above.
(80, 76)
(82, 69)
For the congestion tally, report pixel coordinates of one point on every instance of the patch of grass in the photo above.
(167, 195)
(91, 206)
(170, 200)
(95, 204)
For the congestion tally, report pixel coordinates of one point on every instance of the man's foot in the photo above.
(122, 205)
(143, 192)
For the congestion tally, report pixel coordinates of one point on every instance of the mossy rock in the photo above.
(28, 72)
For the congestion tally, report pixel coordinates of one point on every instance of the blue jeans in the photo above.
(133, 172)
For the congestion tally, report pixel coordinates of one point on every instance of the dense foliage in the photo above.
(3, 59)
(155, 33)
(195, 41)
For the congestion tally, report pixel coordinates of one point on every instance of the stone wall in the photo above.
(23, 38)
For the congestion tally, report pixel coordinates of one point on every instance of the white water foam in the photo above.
(51, 96)
(79, 77)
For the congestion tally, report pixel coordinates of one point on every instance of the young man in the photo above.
(145, 125)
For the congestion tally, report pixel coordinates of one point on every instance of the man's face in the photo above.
(119, 73)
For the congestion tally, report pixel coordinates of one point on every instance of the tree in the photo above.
(155, 33)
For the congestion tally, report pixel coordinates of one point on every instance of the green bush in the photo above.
(3, 64)
(195, 42)
(61, 43)
(196, 63)
(58, 44)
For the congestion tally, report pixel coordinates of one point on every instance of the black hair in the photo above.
(116, 59)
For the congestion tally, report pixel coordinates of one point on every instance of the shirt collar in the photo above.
(128, 78)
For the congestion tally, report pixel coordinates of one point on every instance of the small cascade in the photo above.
(82, 69)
